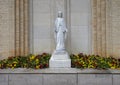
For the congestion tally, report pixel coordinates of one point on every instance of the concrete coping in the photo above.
(58, 70)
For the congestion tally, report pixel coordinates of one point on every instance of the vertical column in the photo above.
(106, 37)
(21, 27)
(108, 28)
(12, 28)
(94, 26)
(98, 29)
(68, 23)
(26, 30)
(103, 27)
(17, 27)
(99, 26)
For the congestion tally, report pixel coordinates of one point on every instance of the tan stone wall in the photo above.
(21, 27)
(99, 26)
(80, 26)
(115, 24)
(44, 13)
(105, 27)
(76, 15)
(13, 28)
(6, 28)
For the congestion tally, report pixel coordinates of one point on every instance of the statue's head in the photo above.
(60, 14)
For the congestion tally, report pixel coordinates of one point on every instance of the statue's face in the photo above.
(60, 14)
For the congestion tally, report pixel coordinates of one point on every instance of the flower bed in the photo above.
(94, 61)
(30, 61)
(77, 61)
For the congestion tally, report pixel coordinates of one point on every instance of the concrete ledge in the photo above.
(59, 76)
(59, 70)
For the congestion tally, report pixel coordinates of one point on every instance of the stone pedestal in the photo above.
(60, 60)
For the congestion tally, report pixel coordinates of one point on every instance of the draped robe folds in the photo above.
(60, 34)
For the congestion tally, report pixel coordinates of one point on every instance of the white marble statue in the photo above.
(60, 58)
(60, 33)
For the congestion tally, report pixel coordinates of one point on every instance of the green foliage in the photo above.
(30, 61)
(94, 61)
(77, 61)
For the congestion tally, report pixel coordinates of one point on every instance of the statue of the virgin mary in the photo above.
(60, 58)
(60, 33)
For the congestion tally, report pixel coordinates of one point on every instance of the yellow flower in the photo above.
(37, 67)
(12, 67)
(77, 56)
(10, 64)
(14, 62)
(110, 64)
(32, 57)
(113, 67)
(37, 60)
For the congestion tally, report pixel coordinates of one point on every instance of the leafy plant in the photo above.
(30, 61)
(94, 61)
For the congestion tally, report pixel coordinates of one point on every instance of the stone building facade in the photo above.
(27, 26)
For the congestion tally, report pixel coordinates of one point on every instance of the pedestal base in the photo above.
(60, 61)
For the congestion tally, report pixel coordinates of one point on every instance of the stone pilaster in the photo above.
(105, 24)
(99, 26)
(109, 39)
(17, 27)
(21, 27)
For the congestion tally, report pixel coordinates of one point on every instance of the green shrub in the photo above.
(30, 61)
(93, 61)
